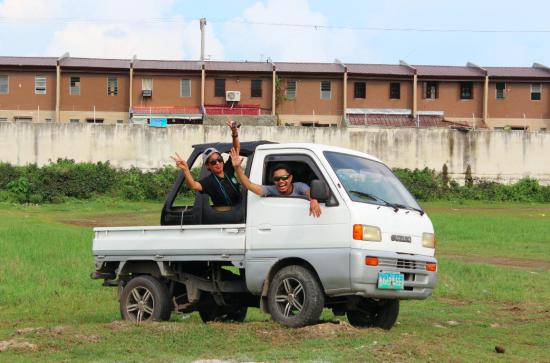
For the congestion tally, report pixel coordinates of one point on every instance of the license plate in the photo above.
(391, 280)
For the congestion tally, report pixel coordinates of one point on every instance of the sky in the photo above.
(485, 32)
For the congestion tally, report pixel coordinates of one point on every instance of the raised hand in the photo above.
(180, 162)
(233, 125)
(236, 160)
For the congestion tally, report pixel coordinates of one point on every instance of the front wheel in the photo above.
(145, 298)
(371, 313)
(295, 297)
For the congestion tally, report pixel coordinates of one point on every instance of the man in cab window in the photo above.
(282, 184)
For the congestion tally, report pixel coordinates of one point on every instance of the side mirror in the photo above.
(319, 190)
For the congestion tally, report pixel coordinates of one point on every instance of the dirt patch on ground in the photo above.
(123, 219)
(328, 329)
(119, 325)
(453, 302)
(277, 335)
(57, 330)
(17, 345)
(503, 261)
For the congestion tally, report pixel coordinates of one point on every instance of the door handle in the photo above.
(232, 230)
(264, 227)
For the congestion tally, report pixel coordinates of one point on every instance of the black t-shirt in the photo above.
(223, 191)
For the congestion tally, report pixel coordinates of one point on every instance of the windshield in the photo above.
(369, 181)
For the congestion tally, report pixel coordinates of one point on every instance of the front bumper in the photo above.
(419, 283)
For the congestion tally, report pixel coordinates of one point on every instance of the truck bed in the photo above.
(170, 243)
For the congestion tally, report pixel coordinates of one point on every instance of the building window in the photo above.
(94, 121)
(4, 84)
(74, 121)
(40, 85)
(325, 90)
(290, 91)
(74, 89)
(147, 84)
(430, 90)
(119, 121)
(3, 119)
(500, 90)
(256, 88)
(219, 87)
(466, 90)
(535, 91)
(112, 86)
(359, 90)
(395, 90)
(185, 88)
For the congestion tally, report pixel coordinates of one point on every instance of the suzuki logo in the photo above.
(399, 238)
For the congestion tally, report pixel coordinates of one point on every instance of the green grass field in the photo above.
(494, 289)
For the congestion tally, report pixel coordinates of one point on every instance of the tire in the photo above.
(145, 298)
(295, 297)
(374, 314)
(224, 314)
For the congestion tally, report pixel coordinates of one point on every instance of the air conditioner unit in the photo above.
(146, 93)
(233, 96)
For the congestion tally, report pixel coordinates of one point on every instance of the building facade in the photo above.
(65, 89)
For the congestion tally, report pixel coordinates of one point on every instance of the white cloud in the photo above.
(288, 43)
(13, 9)
(128, 34)
(108, 29)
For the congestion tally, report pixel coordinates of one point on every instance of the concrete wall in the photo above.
(504, 155)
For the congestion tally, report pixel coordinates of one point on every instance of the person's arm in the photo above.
(189, 181)
(237, 161)
(314, 206)
(233, 125)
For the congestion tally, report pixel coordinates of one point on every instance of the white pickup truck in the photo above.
(371, 247)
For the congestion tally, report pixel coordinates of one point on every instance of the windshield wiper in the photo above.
(374, 197)
(402, 206)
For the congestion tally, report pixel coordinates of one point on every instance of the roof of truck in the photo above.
(248, 147)
(318, 148)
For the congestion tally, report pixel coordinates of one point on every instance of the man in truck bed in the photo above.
(220, 184)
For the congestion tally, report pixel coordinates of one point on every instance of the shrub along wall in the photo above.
(55, 182)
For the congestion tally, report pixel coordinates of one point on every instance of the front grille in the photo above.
(402, 264)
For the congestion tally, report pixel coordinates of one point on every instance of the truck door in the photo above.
(281, 227)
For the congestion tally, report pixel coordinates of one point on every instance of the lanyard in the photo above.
(222, 189)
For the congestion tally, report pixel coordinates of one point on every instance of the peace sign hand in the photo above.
(180, 163)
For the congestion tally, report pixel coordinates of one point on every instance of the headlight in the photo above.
(362, 232)
(428, 240)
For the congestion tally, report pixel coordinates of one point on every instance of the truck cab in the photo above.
(372, 246)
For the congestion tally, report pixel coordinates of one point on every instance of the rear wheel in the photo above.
(370, 313)
(295, 297)
(145, 298)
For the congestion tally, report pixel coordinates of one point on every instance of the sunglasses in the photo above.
(282, 177)
(215, 161)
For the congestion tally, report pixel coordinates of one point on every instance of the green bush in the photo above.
(428, 185)
(63, 179)
(8, 173)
